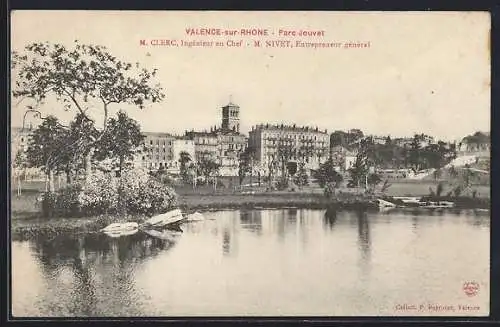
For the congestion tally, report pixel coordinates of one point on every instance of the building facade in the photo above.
(19, 141)
(343, 158)
(306, 145)
(158, 151)
(223, 144)
(180, 145)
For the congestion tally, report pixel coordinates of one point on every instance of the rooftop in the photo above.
(290, 128)
(230, 104)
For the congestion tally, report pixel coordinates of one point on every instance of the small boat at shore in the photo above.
(165, 219)
(121, 227)
(116, 234)
(437, 205)
(408, 199)
(414, 203)
(382, 204)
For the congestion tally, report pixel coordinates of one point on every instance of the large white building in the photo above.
(306, 145)
(181, 145)
(157, 150)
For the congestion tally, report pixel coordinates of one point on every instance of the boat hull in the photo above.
(165, 219)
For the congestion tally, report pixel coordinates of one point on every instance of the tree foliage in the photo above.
(184, 160)
(208, 167)
(121, 142)
(45, 145)
(301, 178)
(326, 174)
(245, 163)
(81, 77)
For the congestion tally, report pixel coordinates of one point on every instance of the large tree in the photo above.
(245, 164)
(122, 141)
(81, 77)
(209, 168)
(327, 174)
(359, 170)
(184, 160)
(45, 146)
(78, 145)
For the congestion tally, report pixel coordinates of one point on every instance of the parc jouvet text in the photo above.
(285, 38)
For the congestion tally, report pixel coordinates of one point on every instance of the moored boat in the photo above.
(385, 204)
(437, 205)
(115, 234)
(164, 219)
(120, 227)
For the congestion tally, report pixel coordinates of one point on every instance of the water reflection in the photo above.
(330, 217)
(251, 220)
(364, 240)
(82, 263)
(233, 261)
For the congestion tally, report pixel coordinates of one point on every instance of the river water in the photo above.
(263, 262)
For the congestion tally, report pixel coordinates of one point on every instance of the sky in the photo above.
(423, 71)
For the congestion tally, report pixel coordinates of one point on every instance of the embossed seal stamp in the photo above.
(471, 288)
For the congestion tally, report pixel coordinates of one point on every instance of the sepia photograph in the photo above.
(249, 164)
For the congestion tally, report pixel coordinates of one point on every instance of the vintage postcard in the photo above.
(175, 163)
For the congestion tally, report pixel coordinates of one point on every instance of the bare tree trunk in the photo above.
(120, 169)
(88, 165)
(68, 177)
(18, 185)
(51, 180)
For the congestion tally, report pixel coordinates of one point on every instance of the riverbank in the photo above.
(26, 221)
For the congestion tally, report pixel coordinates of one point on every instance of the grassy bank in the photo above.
(26, 218)
(36, 226)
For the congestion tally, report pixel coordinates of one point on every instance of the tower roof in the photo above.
(231, 104)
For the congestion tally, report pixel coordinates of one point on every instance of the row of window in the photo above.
(293, 137)
(158, 142)
(144, 158)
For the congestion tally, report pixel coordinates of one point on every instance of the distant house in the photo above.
(402, 141)
(343, 157)
(478, 142)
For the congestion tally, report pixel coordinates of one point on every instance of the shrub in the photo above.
(330, 189)
(99, 194)
(48, 204)
(282, 183)
(68, 200)
(135, 192)
(142, 194)
(457, 191)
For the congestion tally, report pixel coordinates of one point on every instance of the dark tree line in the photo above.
(58, 149)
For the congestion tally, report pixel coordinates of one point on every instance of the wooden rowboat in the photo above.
(165, 219)
(115, 234)
(120, 227)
